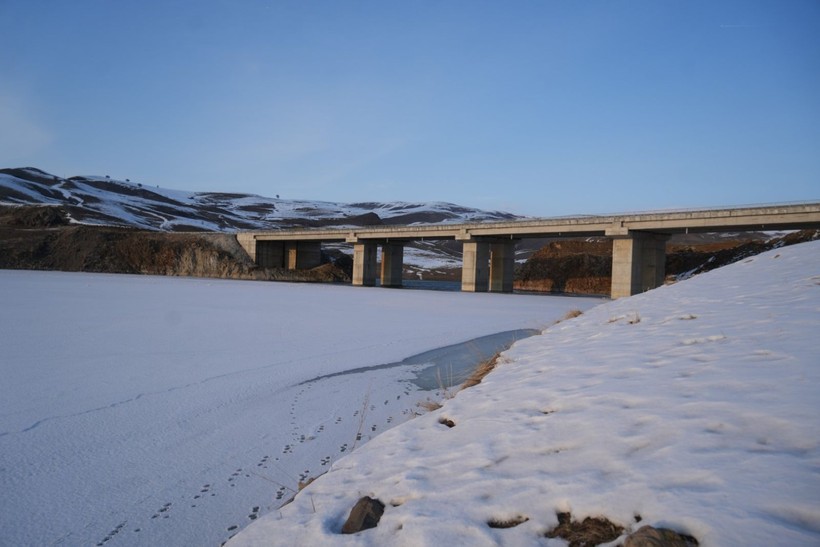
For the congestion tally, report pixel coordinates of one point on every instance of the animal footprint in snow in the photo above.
(373, 427)
(113, 533)
(325, 460)
(343, 448)
(339, 420)
(390, 419)
(254, 513)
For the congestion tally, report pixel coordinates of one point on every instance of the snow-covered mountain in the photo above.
(105, 201)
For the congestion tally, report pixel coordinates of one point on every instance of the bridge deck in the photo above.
(778, 217)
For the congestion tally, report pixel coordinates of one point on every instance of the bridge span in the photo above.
(638, 246)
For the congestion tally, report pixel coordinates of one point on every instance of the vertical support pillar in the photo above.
(502, 266)
(638, 263)
(392, 264)
(475, 271)
(300, 255)
(291, 254)
(364, 264)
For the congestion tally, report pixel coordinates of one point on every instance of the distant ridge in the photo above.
(96, 200)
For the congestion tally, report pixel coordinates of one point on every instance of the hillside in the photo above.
(98, 224)
(95, 200)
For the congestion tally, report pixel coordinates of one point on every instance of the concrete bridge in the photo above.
(638, 247)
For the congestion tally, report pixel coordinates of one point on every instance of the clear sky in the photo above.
(534, 107)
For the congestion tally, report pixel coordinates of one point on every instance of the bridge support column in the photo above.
(475, 273)
(392, 264)
(302, 255)
(364, 264)
(502, 266)
(638, 263)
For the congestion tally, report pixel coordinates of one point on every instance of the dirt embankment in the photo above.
(585, 266)
(41, 238)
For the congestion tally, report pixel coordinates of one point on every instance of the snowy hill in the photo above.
(693, 407)
(105, 201)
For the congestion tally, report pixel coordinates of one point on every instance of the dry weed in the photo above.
(571, 314)
(482, 370)
(429, 405)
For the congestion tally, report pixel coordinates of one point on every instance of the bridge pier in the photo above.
(475, 273)
(502, 266)
(364, 263)
(291, 255)
(392, 264)
(488, 266)
(638, 262)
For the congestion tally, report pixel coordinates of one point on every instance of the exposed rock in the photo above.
(647, 536)
(586, 533)
(364, 515)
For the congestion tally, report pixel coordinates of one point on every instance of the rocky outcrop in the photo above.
(38, 238)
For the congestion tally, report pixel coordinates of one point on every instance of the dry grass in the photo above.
(304, 484)
(429, 405)
(482, 370)
(571, 314)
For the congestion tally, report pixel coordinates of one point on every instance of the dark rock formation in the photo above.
(647, 536)
(364, 515)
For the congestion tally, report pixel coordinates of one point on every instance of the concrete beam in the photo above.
(475, 271)
(502, 266)
(638, 263)
(364, 264)
(392, 264)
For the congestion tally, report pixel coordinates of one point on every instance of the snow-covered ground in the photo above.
(139, 410)
(695, 406)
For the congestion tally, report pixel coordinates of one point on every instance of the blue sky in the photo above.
(536, 107)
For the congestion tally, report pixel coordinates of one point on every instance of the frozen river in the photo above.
(141, 410)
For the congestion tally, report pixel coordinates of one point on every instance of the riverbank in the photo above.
(692, 407)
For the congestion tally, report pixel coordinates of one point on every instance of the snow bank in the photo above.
(694, 406)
